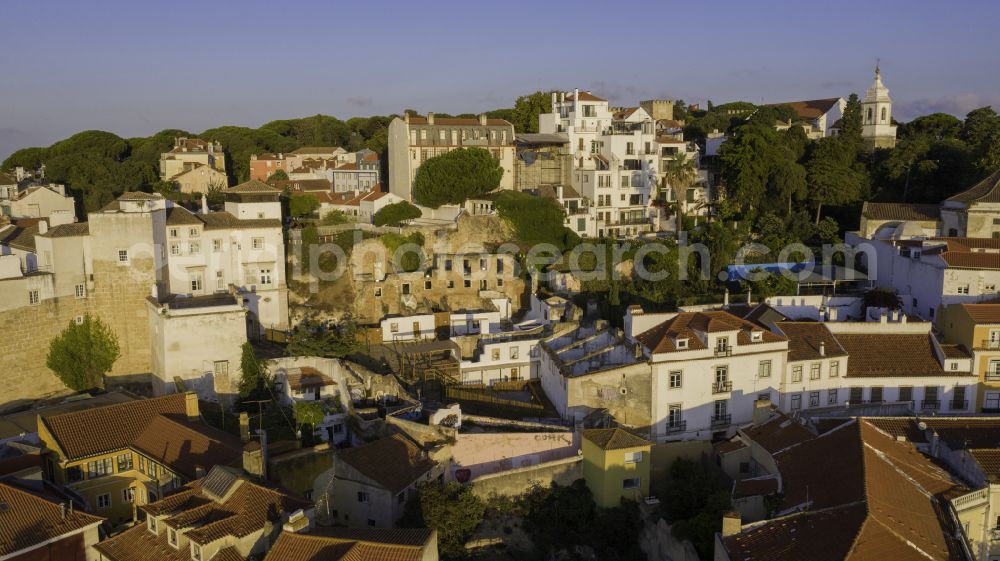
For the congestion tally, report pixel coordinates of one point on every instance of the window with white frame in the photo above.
(220, 281)
(104, 500)
(362, 496)
(796, 401)
(633, 457)
(258, 243)
(194, 232)
(194, 248)
(175, 248)
(831, 397)
(814, 371)
(962, 289)
(195, 552)
(122, 256)
(514, 351)
(631, 483)
(834, 368)
(216, 246)
(151, 524)
(676, 379)
(172, 536)
(33, 297)
(196, 281)
(813, 399)
(764, 369)
(81, 291)
(265, 277)
(128, 495)
(173, 232)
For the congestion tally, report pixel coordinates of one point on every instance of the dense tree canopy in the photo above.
(527, 108)
(456, 177)
(535, 220)
(396, 213)
(83, 353)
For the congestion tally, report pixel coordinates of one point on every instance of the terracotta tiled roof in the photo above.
(304, 184)
(346, 167)
(614, 439)
(185, 446)
(964, 260)
(191, 144)
(869, 497)
(729, 446)
(968, 244)
(810, 109)
(68, 230)
(20, 234)
(224, 221)
(157, 427)
(394, 462)
(316, 150)
(252, 186)
(983, 313)
(891, 354)
(900, 211)
(662, 338)
(778, 433)
(459, 122)
(986, 191)
(624, 113)
(307, 377)
(138, 544)
(113, 427)
(139, 196)
(344, 544)
(28, 520)
(805, 339)
(585, 96)
(180, 216)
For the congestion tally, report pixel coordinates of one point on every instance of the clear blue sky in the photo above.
(134, 68)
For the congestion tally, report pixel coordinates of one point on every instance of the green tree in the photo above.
(936, 126)
(789, 181)
(309, 413)
(534, 220)
(527, 108)
(334, 218)
(693, 500)
(452, 509)
(83, 353)
(850, 128)
(312, 338)
(302, 205)
(255, 380)
(748, 160)
(680, 174)
(832, 175)
(455, 177)
(396, 213)
(279, 175)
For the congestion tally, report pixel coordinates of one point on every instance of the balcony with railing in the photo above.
(930, 404)
(992, 375)
(723, 351)
(719, 421)
(675, 426)
(990, 344)
(722, 387)
(958, 404)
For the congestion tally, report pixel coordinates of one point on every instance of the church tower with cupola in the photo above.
(876, 116)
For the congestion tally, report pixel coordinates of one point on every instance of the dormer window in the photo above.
(172, 537)
(682, 343)
(151, 524)
(756, 336)
(195, 552)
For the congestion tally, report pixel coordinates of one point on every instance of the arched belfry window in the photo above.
(869, 118)
(883, 114)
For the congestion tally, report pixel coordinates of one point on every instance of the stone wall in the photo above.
(516, 481)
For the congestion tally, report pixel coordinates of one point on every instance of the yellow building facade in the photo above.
(977, 328)
(616, 466)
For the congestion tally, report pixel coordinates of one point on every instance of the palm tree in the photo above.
(680, 173)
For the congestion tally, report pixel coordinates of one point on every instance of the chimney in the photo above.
(761, 411)
(43, 226)
(725, 299)
(559, 192)
(822, 348)
(576, 100)
(430, 117)
(406, 117)
(732, 523)
(297, 522)
(255, 457)
(199, 472)
(482, 119)
(244, 427)
(204, 203)
(749, 296)
(191, 406)
(62, 511)
(554, 99)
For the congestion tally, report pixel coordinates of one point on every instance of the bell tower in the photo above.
(877, 129)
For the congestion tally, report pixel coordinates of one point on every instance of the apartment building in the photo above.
(188, 154)
(221, 516)
(29, 198)
(618, 160)
(976, 329)
(616, 466)
(413, 139)
(369, 484)
(708, 369)
(118, 457)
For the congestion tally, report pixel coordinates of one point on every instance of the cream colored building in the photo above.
(189, 153)
(414, 139)
(200, 178)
